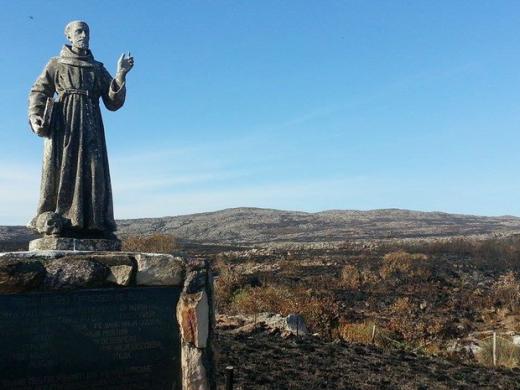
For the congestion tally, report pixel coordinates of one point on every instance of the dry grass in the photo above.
(320, 310)
(497, 254)
(227, 283)
(156, 243)
(506, 291)
(267, 299)
(508, 354)
(366, 333)
(407, 321)
(405, 266)
(421, 297)
(350, 277)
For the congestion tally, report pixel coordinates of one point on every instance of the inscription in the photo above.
(111, 338)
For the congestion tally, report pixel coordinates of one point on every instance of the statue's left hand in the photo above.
(125, 63)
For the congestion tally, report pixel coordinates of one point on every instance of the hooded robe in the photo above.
(75, 177)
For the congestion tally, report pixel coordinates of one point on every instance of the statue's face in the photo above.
(79, 35)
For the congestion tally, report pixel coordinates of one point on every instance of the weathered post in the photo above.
(494, 349)
(229, 377)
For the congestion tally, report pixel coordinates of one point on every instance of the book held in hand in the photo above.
(47, 114)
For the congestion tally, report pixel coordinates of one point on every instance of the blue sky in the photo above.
(302, 105)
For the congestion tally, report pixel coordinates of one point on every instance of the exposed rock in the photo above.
(18, 275)
(120, 274)
(67, 270)
(74, 244)
(121, 266)
(194, 376)
(33, 255)
(159, 269)
(296, 324)
(74, 273)
(225, 322)
(293, 324)
(193, 316)
(289, 324)
(195, 279)
(109, 259)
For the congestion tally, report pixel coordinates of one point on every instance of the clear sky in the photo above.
(301, 105)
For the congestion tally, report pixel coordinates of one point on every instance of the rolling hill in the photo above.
(254, 226)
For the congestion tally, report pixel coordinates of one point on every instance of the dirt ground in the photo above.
(438, 304)
(269, 361)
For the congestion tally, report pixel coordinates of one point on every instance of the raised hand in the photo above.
(125, 64)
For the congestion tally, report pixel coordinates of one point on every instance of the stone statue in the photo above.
(76, 194)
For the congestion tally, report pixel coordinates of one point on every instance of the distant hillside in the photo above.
(256, 226)
(15, 237)
(260, 226)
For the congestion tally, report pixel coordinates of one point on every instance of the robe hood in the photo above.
(67, 56)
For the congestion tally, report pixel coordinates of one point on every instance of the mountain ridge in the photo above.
(253, 226)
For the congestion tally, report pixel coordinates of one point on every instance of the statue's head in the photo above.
(78, 33)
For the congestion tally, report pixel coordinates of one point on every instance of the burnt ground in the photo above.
(269, 361)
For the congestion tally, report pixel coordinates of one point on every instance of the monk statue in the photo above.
(76, 194)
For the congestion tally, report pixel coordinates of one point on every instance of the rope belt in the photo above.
(77, 92)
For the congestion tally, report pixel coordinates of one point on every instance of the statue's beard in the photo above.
(81, 45)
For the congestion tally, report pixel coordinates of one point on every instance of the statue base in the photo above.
(155, 311)
(74, 244)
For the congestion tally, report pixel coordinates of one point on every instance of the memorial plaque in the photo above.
(91, 339)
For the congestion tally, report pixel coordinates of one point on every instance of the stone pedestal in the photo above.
(104, 320)
(74, 244)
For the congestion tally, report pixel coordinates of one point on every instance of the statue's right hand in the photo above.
(37, 125)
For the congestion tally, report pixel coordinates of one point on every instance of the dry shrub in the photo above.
(257, 300)
(155, 243)
(405, 266)
(506, 291)
(350, 277)
(498, 254)
(402, 306)
(410, 323)
(403, 320)
(433, 349)
(454, 246)
(289, 266)
(363, 333)
(320, 311)
(507, 353)
(227, 283)
(493, 254)
(357, 333)
(355, 277)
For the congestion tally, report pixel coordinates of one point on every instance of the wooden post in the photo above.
(373, 338)
(494, 348)
(229, 377)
